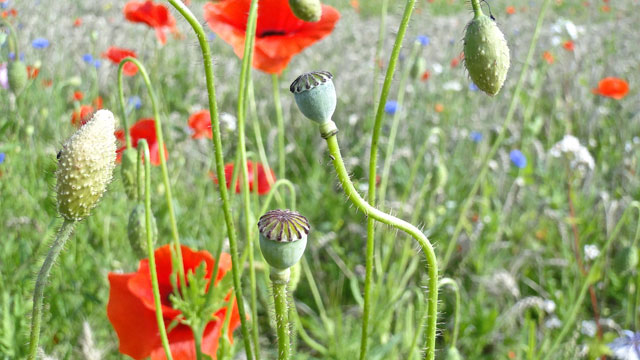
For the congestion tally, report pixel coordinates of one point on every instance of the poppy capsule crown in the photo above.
(85, 166)
(486, 54)
(306, 10)
(315, 95)
(283, 237)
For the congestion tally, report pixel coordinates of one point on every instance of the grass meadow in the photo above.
(540, 234)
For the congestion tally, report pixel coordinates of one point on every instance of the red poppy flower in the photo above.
(116, 54)
(77, 22)
(548, 57)
(264, 182)
(200, 123)
(153, 15)
(612, 87)
(279, 34)
(131, 309)
(32, 71)
(425, 75)
(97, 102)
(456, 60)
(511, 10)
(78, 95)
(569, 45)
(82, 115)
(143, 129)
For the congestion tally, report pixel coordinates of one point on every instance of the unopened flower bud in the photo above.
(17, 74)
(85, 166)
(128, 171)
(283, 237)
(137, 230)
(315, 95)
(306, 10)
(486, 54)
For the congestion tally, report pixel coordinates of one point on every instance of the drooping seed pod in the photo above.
(306, 10)
(85, 166)
(486, 54)
(315, 95)
(283, 237)
(17, 74)
(128, 171)
(137, 230)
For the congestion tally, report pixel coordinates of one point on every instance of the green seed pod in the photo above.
(315, 95)
(453, 354)
(283, 237)
(128, 171)
(486, 54)
(418, 68)
(306, 10)
(137, 230)
(440, 177)
(17, 73)
(85, 166)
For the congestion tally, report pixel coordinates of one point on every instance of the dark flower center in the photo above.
(268, 33)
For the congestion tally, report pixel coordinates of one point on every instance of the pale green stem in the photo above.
(531, 349)
(380, 45)
(477, 11)
(13, 40)
(64, 233)
(589, 279)
(123, 111)
(280, 121)
(280, 281)
(462, 214)
(163, 163)
(373, 163)
(328, 131)
(222, 182)
(258, 134)
(456, 311)
(143, 150)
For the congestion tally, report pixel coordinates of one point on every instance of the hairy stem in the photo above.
(123, 112)
(280, 280)
(456, 312)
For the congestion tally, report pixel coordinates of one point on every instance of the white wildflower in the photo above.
(553, 323)
(437, 68)
(570, 148)
(452, 86)
(591, 252)
(88, 346)
(228, 121)
(588, 328)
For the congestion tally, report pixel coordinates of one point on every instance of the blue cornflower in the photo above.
(2, 156)
(211, 36)
(40, 43)
(627, 346)
(423, 40)
(97, 63)
(4, 5)
(88, 58)
(518, 159)
(476, 136)
(12, 55)
(391, 107)
(135, 101)
(473, 87)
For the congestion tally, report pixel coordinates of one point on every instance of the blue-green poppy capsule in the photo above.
(283, 237)
(315, 95)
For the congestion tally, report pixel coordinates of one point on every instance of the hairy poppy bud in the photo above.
(486, 54)
(306, 10)
(137, 230)
(85, 166)
(283, 237)
(315, 95)
(129, 173)
(17, 74)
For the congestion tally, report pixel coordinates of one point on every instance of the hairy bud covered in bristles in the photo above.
(85, 166)
(129, 173)
(283, 237)
(306, 10)
(137, 230)
(315, 95)
(17, 74)
(486, 54)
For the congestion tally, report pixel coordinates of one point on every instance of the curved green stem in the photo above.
(13, 40)
(143, 150)
(328, 131)
(373, 163)
(376, 68)
(163, 163)
(304, 336)
(280, 121)
(501, 135)
(257, 133)
(590, 279)
(123, 112)
(456, 312)
(222, 183)
(63, 235)
(274, 189)
(280, 281)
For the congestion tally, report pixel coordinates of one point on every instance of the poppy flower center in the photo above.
(268, 33)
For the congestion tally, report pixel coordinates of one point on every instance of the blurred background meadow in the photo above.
(514, 258)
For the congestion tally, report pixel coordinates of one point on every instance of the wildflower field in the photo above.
(319, 179)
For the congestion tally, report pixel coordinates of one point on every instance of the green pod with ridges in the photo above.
(306, 10)
(137, 230)
(17, 74)
(315, 95)
(283, 237)
(486, 54)
(128, 171)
